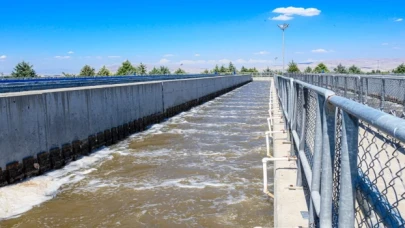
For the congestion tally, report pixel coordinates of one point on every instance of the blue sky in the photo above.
(58, 36)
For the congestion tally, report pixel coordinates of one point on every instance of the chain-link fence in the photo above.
(386, 93)
(351, 157)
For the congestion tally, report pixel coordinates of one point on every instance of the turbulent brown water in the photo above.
(201, 168)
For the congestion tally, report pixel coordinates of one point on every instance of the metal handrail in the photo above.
(325, 129)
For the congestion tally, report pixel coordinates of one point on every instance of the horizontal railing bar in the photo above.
(390, 124)
(316, 89)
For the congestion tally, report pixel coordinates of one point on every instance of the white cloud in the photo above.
(3, 56)
(99, 57)
(282, 17)
(384, 44)
(396, 48)
(241, 61)
(262, 53)
(114, 56)
(299, 52)
(197, 55)
(211, 61)
(62, 57)
(70, 52)
(289, 11)
(320, 50)
(168, 55)
(164, 61)
(399, 20)
(224, 61)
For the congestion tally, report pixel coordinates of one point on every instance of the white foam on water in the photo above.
(22, 197)
(220, 159)
(209, 153)
(196, 182)
(153, 153)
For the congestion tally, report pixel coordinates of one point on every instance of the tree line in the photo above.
(26, 70)
(340, 69)
(125, 69)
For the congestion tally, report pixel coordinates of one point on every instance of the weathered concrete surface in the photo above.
(289, 204)
(38, 121)
(262, 78)
(177, 92)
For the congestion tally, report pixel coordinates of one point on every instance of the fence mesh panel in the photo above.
(310, 126)
(384, 93)
(381, 163)
(336, 170)
(380, 183)
(300, 106)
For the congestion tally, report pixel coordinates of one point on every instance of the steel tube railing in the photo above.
(352, 155)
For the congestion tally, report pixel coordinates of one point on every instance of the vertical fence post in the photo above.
(366, 90)
(382, 94)
(345, 85)
(317, 157)
(349, 171)
(403, 90)
(359, 89)
(336, 82)
(294, 118)
(290, 110)
(328, 148)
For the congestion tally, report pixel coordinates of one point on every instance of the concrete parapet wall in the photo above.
(44, 130)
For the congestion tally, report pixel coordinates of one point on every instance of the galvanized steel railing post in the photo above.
(317, 157)
(345, 85)
(349, 170)
(328, 149)
(365, 90)
(382, 94)
(360, 89)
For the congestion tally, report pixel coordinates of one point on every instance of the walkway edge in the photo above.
(289, 202)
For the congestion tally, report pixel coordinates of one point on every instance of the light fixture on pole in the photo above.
(283, 27)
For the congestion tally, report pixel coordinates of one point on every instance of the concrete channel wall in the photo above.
(46, 129)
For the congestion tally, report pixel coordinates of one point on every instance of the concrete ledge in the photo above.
(45, 130)
(289, 202)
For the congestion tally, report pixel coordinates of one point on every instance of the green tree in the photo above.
(293, 68)
(400, 69)
(231, 67)
(104, 72)
(164, 70)
(223, 69)
(179, 71)
(87, 71)
(321, 68)
(308, 70)
(68, 75)
(155, 71)
(340, 69)
(267, 70)
(24, 70)
(141, 69)
(126, 69)
(244, 70)
(253, 70)
(354, 70)
(216, 69)
(205, 72)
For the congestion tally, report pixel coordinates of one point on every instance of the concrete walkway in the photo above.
(290, 208)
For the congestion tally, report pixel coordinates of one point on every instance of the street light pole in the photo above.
(283, 27)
